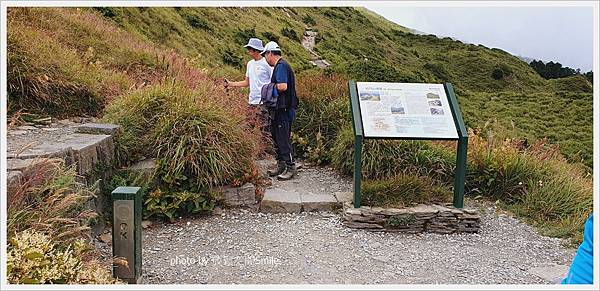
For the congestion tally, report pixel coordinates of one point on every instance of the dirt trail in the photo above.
(308, 42)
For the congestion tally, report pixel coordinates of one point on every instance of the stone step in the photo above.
(243, 196)
(99, 128)
(86, 150)
(278, 200)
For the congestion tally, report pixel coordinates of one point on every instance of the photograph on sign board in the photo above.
(433, 96)
(435, 103)
(436, 111)
(370, 96)
(397, 110)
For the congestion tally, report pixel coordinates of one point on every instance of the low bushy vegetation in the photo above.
(385, 159)
(403, 191)
(197, 142)
(47, 227)
(533, 180)
(323, 110)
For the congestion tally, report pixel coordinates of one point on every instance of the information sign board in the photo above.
(405, 110)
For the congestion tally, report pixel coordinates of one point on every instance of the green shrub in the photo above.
(171, 205)
(403, 191)
(323, 110)
(109, 12)
(242, 36)
(232, 59)
(501, 71)
(383, 159)
(290, 33)
(197, 142)
(33, 258)
(497, 74)
(196, 22)
(309, 20)
(270, 36)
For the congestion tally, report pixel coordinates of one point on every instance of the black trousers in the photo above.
(281, 130)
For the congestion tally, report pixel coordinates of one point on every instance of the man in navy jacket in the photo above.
(284, 112)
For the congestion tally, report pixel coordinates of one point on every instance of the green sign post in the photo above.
(407, 111)
(127, 234)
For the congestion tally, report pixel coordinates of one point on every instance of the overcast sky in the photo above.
(563, 34)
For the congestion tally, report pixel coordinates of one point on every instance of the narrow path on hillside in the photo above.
(308, 42)
(240, 246)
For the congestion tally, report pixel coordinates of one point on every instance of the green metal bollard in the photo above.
(127, 234)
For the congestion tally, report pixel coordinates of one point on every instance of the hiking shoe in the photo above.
(276, 171)
(289, 173)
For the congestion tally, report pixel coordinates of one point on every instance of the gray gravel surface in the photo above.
(242, 247)
(313, 179)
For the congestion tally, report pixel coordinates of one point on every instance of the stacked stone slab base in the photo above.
(434, 218)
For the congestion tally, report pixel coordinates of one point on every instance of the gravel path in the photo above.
(316, 180)
(239, 246)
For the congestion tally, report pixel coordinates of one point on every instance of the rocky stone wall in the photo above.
(89, 147)
(422, 218)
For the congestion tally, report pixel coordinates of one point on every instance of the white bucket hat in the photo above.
(255, 43)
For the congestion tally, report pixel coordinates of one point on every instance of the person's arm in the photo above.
(244, 83)
(281, 87)
(281, 78)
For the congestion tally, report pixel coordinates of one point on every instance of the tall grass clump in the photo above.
(384, 159)
(198, 140)
(48, 199)
(397, 173)
(403, 191)
(44, 76)
(47, 225)
(322, 112)
(533, 180)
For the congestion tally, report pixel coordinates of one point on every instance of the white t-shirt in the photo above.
(258, 73)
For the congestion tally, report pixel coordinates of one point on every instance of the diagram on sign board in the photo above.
(405, 110)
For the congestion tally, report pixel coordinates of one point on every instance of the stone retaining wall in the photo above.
(89, 147)
(422, 218)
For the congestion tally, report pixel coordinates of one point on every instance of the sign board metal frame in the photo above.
(461, 151)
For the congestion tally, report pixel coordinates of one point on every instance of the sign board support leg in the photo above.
(357, 169)
(461, 171)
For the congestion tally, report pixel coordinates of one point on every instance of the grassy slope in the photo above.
(353, 38)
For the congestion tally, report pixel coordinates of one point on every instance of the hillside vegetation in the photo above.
(358, 44)
(156, 72)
